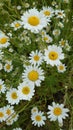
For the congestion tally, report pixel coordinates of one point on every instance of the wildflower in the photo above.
(56, 32)
(53, 55)
(12, 96)
(48, 12)
(33, 75)
(57, 112)
(36, 58)
(63, 42)
(4, 40)
(33, 20)
(2, 114)
(2, 86)
(8, 66)
(26, 91)
(38, 118)
(60, 14)
(34, 109)
(16, 24)
(61, 68)
(47, 38)
(9, 110)
(18, 7)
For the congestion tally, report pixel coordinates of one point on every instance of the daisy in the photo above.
(47, 38)
(16, 24)
(63, 42)
(34, 109)
(1, 55)
(4, 40)
(33, 75)
(60, 14)
(38, 118)
(2, 86)
(9, 110)
(57, 112)
(53, 55)
(48, 12)
(33, 20)
(61, 68)
(26, 91)
(12, 96)
(2, 114)
(36, 58)
(60, 24)
(8, 66)
(56, 32)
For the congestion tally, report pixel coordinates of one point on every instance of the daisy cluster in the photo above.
(33, 56)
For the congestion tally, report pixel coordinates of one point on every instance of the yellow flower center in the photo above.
(53, 55)
(33, 20)
(38, 118)
(33, 75)
(26, 90)
(36, 57)
(8, 112)
(45, 38)
(17, 25)
(47, 13)
(3, 40)
(14, 95)
(1, 114)
(7, 66)
(62, 43)
(0, 87)
(57, 111)
(61, 67)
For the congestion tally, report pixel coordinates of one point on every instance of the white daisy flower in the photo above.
(17, 128)
(53, 55)
(1, 55)
(4, 40)
(48, 12)
(9, 110)
(63, 42)
(16, 24)
(60, 14)
(34, 110)
(61, 68)
(34, 20)
(2, 115)
(8, 66)
(33, 75)
(56, 32)
(36, 58)
(26, 91)
(2, 86)
(57, 112)
(47, 38)
(12, 96)
(1, 66)
(38, 118)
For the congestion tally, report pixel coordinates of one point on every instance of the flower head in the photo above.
(57, 112)
(38, 118)
(53, 55)
(33, 20)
